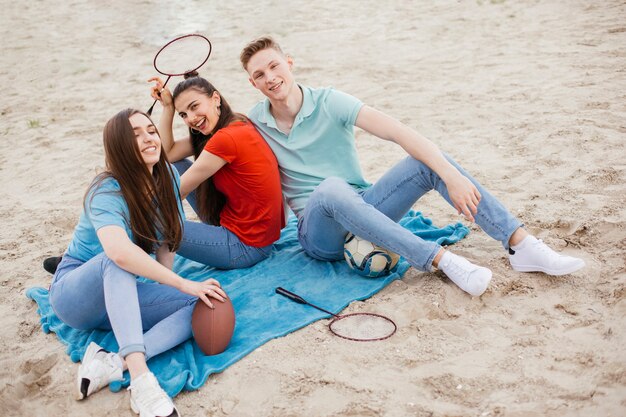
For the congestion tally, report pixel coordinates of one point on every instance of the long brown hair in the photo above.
(152, 200)
(209, 200)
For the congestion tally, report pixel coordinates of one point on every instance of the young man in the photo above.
(311, 133)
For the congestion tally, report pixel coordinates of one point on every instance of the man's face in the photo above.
(270, 73)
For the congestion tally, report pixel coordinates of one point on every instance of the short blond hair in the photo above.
(259, 44)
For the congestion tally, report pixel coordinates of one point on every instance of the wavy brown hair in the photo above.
(152, 199)
(209, 200)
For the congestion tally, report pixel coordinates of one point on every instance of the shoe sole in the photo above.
(133, 406)
(553, 272)
(136, 410)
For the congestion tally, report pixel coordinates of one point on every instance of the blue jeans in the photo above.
(215, 245)
(98, 294)
(335, 208)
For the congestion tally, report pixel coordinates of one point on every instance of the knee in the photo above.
(105, 261)
(421, 173)
(332, 188)
(417, 166)
(108, 267)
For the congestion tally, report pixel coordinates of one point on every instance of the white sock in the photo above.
(528, 239)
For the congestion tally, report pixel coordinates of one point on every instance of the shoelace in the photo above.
(151, 396)
(543, 247)
(456, 268)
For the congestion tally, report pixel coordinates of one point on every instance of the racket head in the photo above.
(363, 327)
(182, 55)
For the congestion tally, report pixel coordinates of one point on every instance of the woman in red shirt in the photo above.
(233, 185)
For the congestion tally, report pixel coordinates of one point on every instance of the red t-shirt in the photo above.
(250, 182)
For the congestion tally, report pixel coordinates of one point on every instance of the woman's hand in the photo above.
(161, 93)
(204, 290)
(464, 195)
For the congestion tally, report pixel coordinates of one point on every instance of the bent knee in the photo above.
(333, 186)
(109, 268)
(416, 165)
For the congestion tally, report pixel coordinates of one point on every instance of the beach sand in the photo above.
(530, 97)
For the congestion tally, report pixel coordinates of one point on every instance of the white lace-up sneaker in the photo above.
(471, 278)
(98, 369)
(532, 255)
(148, 399)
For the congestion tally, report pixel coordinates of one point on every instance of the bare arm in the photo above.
(463, 193)
(130, 257)
(174, 149)
(204, 167)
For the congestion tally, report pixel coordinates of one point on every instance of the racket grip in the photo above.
(149, 112)
(290, 295)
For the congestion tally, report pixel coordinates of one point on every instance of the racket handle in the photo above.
(149, 112)
(290, 295)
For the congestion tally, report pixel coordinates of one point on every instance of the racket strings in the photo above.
(183, 55)
(363, 327)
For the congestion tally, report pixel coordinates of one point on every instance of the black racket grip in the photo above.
(149, 112)
(290, 295)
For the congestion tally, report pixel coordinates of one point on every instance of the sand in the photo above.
(528, 96)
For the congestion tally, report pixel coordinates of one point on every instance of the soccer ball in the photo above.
(368, 259)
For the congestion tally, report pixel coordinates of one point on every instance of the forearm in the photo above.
(464, 195)
(166, 129)
(130, 257)
(424, 150)
(203, 167)
(416, 145)
(133, 259)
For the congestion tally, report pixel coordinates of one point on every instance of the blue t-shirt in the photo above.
(319, 145)
(106, 208)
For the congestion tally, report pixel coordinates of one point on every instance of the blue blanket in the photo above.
(261, 315)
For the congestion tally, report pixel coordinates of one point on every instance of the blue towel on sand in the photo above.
(261, 314)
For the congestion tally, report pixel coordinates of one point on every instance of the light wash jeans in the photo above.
(98, 294)
(215, 245)
(335, 208)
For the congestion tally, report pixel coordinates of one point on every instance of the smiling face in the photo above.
(270, 73)
(148, 140)
(199, 111)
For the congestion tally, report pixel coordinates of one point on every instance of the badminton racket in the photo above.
(181, 55)
(361, 327)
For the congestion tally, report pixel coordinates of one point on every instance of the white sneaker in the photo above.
(148, 399)
(471, 278)
(98, 369)
(532, 255)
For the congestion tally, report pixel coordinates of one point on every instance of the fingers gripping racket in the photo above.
(181, 55)
(362, 327)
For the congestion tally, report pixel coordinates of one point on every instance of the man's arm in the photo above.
(463, 193)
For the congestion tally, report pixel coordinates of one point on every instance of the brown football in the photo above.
(213, 327)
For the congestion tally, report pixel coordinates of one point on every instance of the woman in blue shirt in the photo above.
(131, 210)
